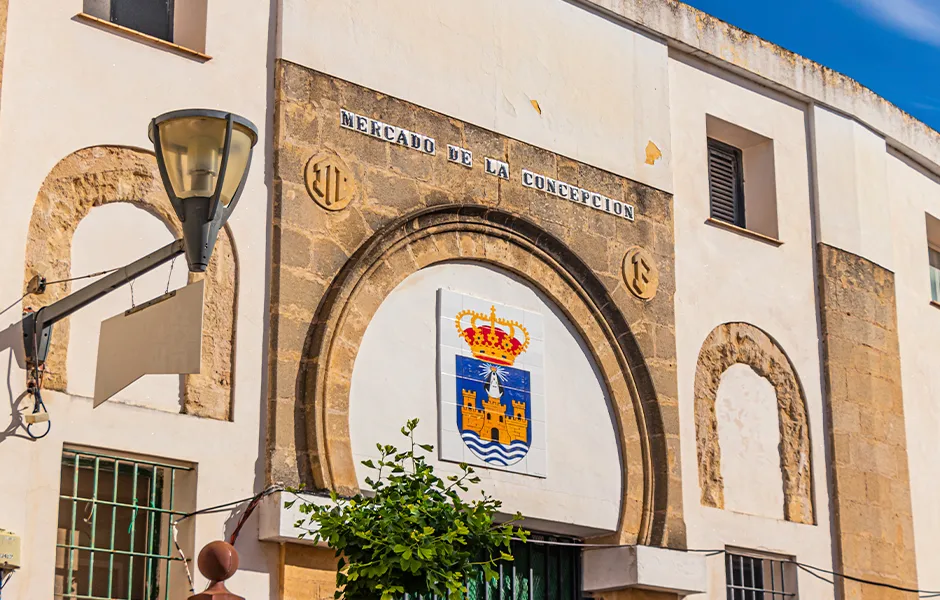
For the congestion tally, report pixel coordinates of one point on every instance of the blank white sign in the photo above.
(162, 339)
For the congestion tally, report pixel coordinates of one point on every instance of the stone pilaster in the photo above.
(871, 499)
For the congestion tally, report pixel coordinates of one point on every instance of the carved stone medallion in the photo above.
(329, 181)
(640, 273)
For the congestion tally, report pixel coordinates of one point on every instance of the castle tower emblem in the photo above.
(493, 395)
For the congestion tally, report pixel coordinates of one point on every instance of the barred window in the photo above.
(759, 577)
(538, 571)
(115, 537)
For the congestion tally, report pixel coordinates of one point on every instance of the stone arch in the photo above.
(101, 175)
(451, 232)
(742, 343)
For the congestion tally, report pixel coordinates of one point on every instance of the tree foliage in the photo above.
(414, 533)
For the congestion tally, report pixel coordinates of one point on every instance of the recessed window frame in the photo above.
(756, 214)
(186, 30)
(149, 525)
(933, 264)
(726, 177)
(751, 575)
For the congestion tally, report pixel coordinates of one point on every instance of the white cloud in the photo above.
(917, 19)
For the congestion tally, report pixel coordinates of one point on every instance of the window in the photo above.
(537, 572)
(152, 17)
(741, 178)
(934, 259)
(933, 256)
(725, 183)
(180, 22)
(759, 577)
(115, 539)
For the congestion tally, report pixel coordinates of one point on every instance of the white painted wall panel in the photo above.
(853, 196)
(111, 236)
(749, 433)
(914, 194)
(602, 88)
(723, 276)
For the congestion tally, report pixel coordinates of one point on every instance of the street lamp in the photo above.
(204, 156)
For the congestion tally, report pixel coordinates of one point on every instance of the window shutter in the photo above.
(153, 17)
(725, 183)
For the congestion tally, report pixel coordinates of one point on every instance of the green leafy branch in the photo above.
(414, 534)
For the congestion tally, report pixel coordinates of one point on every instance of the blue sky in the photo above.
(890, 46)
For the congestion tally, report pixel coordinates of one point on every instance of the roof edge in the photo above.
(690, 30)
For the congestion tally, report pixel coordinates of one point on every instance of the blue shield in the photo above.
(494, 413)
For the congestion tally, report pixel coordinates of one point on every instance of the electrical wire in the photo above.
(179, 550)
(810, 569)
(817, 576)
(99, 273)
(15, 302)
(56, 282)
(5, 580)
(253, 503)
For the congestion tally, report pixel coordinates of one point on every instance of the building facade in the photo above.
(668, 287)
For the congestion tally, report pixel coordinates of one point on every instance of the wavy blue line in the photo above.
(492, 454)
(470, 436)
(486, 450)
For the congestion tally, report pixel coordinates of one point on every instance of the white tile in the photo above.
(447, 417)
(537, 408)
(447, 334)
(534, 356)
(451, 446)
(447, 361)
(537, 379)
(449, 303)
(479, 305)
(536, 462)
(510, 313)
(539, 432)
(535, 324)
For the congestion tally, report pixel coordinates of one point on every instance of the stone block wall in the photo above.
(307, 573)
(406, 210)
(871, 498)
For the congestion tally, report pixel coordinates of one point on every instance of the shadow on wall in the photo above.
(11, 339)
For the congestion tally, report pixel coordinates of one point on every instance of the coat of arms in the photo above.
(492, 391)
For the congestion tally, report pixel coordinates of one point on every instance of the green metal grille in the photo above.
(538, 571)
(115, 527)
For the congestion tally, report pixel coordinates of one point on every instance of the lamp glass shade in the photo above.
(193, 149)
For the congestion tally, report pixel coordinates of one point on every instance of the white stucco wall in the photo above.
(395, 378)
(852, 181)
(723, 276)
(749, 433)
(66, 86)
(96, 246)
(913, 194)
(602, 89)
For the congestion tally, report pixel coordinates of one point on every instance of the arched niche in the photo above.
(572, 484)
(447, 233)
(105, 174)
(742, 343)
